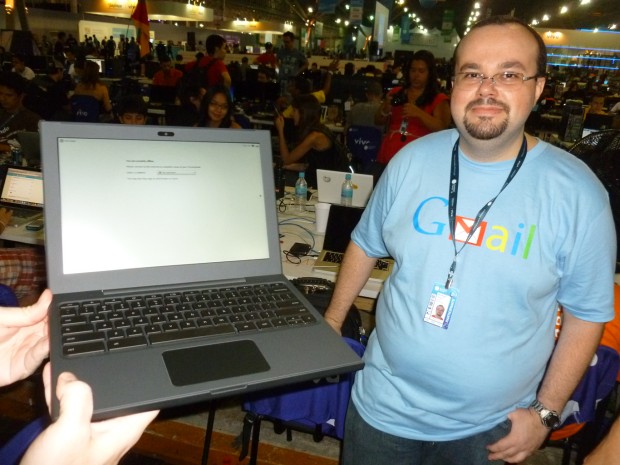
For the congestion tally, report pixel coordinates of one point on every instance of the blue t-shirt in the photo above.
(549, 238)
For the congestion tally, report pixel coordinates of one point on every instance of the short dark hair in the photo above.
(14, 82)
(214, 41)
(288, 34)
(132, 103)
(499, 20)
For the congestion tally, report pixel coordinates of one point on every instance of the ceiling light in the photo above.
(584, 2)
(545, 18)
(563, 10)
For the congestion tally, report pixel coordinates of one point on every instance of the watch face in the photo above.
(551, 420)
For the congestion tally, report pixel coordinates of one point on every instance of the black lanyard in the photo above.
(454, 189)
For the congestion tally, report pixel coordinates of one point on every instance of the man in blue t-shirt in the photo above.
(291, 61)
(497, 228)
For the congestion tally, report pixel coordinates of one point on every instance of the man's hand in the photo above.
(527, 433)
(74, 439)
(24, 341)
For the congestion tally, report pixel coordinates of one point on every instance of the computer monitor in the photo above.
(100, 62)
(595, 123)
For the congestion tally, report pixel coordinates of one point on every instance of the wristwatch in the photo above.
(549, 418)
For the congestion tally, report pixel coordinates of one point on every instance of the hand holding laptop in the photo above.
(72, 439)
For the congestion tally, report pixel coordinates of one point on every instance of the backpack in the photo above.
(196, 77)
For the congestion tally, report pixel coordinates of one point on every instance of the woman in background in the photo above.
(415, 109)
(91, 85)
(216, 109)
(315, 144)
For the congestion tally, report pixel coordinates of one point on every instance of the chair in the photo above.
(317, 407)
(12, 452)
(364, 143)
(601, 152)
(84, 108)
(584, 415)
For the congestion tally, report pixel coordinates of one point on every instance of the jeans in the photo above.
(365, 445)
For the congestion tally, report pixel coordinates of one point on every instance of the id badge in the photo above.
(440, 306)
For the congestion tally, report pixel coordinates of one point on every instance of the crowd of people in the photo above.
(446, 380)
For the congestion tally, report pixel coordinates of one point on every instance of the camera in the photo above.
(399, 99)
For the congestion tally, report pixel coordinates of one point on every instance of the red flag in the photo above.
(141, 22)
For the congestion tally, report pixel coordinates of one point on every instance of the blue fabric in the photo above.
(365, 445)
(364, 142)
(84, 108)
(7, 297)
(314, 403)
(597, 383)
(548, 238)
(12, 452)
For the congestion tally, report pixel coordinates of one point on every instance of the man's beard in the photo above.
(484, 128)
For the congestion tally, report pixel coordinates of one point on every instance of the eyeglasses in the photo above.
(221, 106)
(505, 79)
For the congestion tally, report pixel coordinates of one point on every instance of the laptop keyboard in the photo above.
(110, 324)
(336, 257)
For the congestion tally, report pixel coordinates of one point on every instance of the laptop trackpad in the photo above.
(213, 362)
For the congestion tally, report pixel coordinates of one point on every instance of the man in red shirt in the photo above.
(217, 72)
(168, 75)
(268, 58)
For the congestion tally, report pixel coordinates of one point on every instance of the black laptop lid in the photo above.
(340, 225)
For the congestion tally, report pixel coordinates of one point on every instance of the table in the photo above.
(300, 227)
(22, 235)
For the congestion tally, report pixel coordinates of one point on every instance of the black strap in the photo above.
(453, 196)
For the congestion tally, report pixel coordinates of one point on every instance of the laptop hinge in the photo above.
(171, 287)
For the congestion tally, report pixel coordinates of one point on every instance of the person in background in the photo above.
(315, 144)
(188, 111)
(427, 393)
(268, 58)
(19, 67)
(216, 109)
(597, 104)
(73, 439)
(14, 116)
(168, 75)
(53, 103)
(90, 84)
(413, 110)
(132, 109)
(291, 61)
(217, 72)
(574, 92)
(363, 113)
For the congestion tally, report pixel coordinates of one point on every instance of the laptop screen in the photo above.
(145, 206)
(22, 188)
(148, 203)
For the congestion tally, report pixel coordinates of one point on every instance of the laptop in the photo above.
(329, 185)
(340, 224)
(21, 190)
(595, 123)
(158, 233)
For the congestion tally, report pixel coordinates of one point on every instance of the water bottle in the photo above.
(301, 192)
(16, 155)
(346, 193)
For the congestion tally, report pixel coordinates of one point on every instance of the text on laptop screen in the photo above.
(142, 203)
(23, 188)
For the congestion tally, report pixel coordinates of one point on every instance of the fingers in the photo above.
(27, 316)
(76, 400)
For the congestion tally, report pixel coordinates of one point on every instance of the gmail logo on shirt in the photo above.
(463, 228)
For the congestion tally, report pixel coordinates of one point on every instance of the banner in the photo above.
(356, 11)
(327, 6)
(405, 32)
(140, 19)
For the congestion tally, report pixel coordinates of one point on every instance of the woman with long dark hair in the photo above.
(91, 85)
(415, 109)
(216, 109)
(315, 144)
